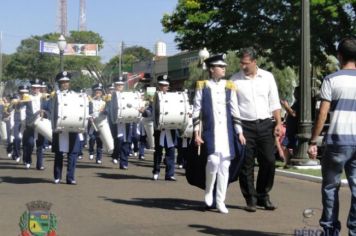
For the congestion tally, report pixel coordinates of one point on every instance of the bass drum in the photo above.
(149, 129)
(101, 122)
(3, 131)
(125, 107)
(71, 112)
(44, 127)
(170, 110)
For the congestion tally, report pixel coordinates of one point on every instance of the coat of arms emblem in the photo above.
(38, 220)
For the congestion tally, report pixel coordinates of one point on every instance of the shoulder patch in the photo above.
(201, 84)
(230, 85)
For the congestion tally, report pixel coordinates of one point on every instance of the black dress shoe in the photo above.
(250, 208)
(267, 205)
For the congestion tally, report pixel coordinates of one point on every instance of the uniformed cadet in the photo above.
(64, 142)
(215, 106)
(113, 128)
(96, 106)
(123, 137)
(17, 110)
(166, 139)
(34, 107)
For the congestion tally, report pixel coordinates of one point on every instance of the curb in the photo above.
(311, 178)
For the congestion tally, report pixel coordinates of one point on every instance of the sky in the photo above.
(135, 22)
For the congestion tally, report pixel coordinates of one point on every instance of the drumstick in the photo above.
(199, 133)
(94, 126)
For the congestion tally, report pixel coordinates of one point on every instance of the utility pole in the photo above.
(121, 50)
(1, 56)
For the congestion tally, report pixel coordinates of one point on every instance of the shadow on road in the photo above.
(162, 203)
(11, 166)
(91, 166)
(23, 180)
(216, 231)
(121, 176)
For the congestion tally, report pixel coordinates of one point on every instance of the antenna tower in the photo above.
(62, 17)
(82, 16)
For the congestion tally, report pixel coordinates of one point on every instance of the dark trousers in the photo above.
(58, 165)
(260, 144)
(142, 145)
(94, 138)
(157, 159)
(16, 150)
(28, 143)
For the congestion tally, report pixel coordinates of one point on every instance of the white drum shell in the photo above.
(171, 110)
(3, 131)
(44, 127)
(126, 107)
(149, 129)
(101, 122)
(188, 131)
(72, 112)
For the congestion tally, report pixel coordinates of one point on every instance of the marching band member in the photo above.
(34, 106)
(46, 90)
(113, 128)
(215, 105)
(96, 106)
(166, 139)
(8, 118)
(146, 113)
(123, 134)
(17, 112)
(64, 142)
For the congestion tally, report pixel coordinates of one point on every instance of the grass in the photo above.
(313, 172)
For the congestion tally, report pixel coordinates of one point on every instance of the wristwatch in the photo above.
(312, 142)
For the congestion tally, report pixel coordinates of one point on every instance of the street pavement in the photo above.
(109, 201)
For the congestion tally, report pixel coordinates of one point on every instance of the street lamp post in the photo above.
(305, 118)
(62, 44)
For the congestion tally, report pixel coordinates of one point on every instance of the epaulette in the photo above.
(230, 85)
(201, 84)
(107, 98)
(53, 94)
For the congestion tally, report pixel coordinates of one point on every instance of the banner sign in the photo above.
(72, 49)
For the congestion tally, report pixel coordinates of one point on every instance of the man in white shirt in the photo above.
(258, 101)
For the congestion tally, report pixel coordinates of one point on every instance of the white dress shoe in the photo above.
(18, 159)
(9, 155)
(222, 208)
(57, 181)
(80, 157)
(28, 166)
(155, 176)
(208, 199)
(91, 157)
(114, 161)
(98, 161)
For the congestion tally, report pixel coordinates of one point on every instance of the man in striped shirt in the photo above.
(338, 94)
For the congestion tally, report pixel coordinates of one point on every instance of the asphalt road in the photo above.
(109, 201)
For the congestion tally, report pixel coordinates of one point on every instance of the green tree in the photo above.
(271, 26)
(130, 55)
